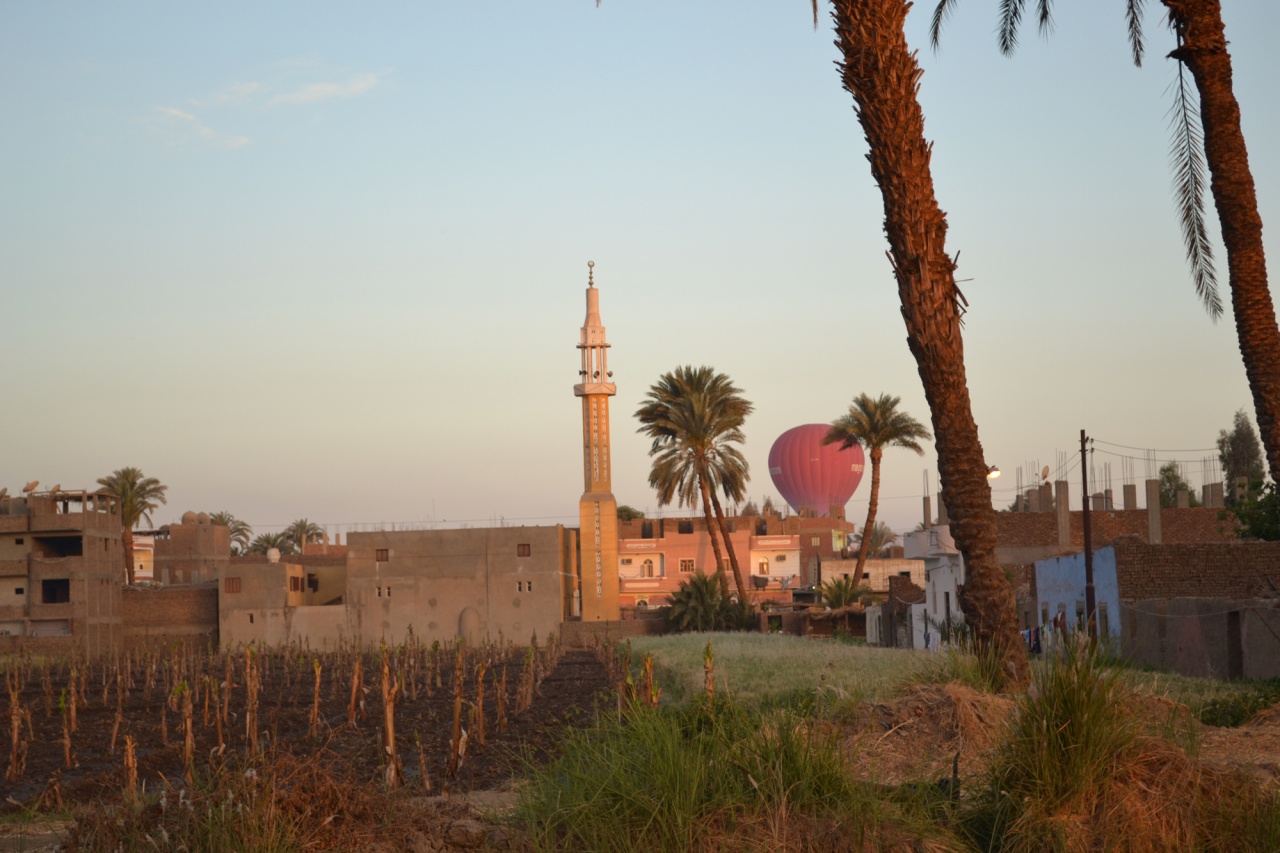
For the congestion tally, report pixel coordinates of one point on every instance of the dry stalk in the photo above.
(709, 673)
(18, 750)
(130, 770)
(66, 727)
(357, 684)
(652, 693)
(390, 688)
(481, 669)
(314, 720)
(457, 741)
(252, 684)
(422, 766)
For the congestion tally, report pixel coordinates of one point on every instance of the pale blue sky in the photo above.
(328, 261)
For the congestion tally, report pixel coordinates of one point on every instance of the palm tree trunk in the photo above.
(881, 73)
(728, 547)
(864, 549)
(1203, 48)
(711, 531)
(127, 539)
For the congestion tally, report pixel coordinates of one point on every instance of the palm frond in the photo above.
(1010, 21)
(941, 13)
(1133, 16)
(1186, 154)
(1045, 17)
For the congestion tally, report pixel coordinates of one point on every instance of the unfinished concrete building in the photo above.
(61, 566)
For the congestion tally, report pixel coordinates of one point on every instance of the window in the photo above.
(646, 569)
(684, 526)
(523, 551)
(381, 555)
(763, 568)
(231, 585)
(625, 561)
(295, 584)
(530, 585)
(250, 618)
(686, 565)
(642, 604)
(19, 541)
(904, 574)
(519, 586)
(19, 590)
(816, 541)
(313, 583)
(781, 558)
(379, 592)
(55, 591)
(388, 590)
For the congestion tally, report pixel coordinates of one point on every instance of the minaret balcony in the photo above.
(591, 388)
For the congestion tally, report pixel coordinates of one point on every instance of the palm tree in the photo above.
(303, 532)
(879, 70)
(1214, 139)
(266, 541)
(699, 604)
(241, 532)
(694, 416)
(139, 496)
(842, 592)
(875, 423)
(882, 538)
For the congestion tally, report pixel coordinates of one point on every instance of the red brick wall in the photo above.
(1205, 569)
(168, 614)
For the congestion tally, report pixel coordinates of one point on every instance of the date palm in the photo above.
(1210, 136)
(139, 496)
(264, 542)
(241, 532)
(695, 416)
(303, 532)
(882, 538)
(879, 70)
(875, 423)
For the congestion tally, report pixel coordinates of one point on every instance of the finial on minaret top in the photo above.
(591, 273)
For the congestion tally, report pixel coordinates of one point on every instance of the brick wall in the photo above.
(584, 635)
(169, 614)
(1036, 529)
(1207, 569)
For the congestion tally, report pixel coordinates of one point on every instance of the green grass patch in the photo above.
(759, 669)
(714, 776)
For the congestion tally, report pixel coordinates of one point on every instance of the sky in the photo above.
(327, 260)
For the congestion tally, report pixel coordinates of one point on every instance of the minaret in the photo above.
(597, 511)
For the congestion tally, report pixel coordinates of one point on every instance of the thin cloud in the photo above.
(317, 92)
(185, 119)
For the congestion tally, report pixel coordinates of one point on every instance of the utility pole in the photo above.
(1089, 601)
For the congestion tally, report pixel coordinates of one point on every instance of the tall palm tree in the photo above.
(303, 532)
(241, 532)
(694, 416)
(879, 70)
(139, 496)
(1214, 139)
(264, 542)
(875, 423)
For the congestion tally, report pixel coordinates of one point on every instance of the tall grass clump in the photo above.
(1078, 772)
(979, 668)
(709, 776)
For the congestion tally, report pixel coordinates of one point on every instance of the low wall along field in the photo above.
(161, 616)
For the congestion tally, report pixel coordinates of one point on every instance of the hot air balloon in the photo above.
(811, 474)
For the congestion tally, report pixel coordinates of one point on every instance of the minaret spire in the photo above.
(597, 510)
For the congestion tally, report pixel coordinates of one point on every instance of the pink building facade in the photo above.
(650, 569)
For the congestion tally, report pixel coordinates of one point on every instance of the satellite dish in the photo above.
(55, 489)
(1044, 474)
(4, 493)
(31, 487)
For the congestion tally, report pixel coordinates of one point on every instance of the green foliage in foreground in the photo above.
(713, 776)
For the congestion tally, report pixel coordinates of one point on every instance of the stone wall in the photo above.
(157, 616)
(585, 635)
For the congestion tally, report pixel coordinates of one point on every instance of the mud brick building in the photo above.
(61, 573)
